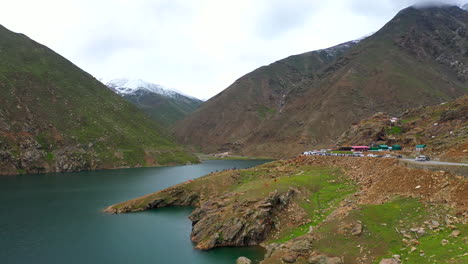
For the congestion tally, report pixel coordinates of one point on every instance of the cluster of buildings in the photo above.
(378, 148)
(360, 149)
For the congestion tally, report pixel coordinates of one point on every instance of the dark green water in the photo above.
(58, 218)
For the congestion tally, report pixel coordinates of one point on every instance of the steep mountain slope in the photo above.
(56, 117)
(308, 100)
(443, 128)
(163, 105)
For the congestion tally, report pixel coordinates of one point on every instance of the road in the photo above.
(432, 162)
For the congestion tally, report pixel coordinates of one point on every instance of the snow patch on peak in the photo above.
(124, 86)
(333, 50)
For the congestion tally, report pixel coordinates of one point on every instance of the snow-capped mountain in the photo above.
(126, 86)
(163, 104)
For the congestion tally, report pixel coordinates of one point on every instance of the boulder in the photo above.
(291, 258)
(321, 259)
(243, 260)
(357, 230)
(455, 233)
(389, 261)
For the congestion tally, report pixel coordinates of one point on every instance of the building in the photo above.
(360, 148)
(420, 147)
(383, 147)
(396, 147)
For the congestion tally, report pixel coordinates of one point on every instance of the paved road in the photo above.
(432, 162)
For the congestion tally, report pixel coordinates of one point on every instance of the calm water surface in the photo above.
(58, 218)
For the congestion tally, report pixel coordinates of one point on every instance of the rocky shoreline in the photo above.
(294, 208)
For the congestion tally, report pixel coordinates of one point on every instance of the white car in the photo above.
(388, 156)
(421, 158)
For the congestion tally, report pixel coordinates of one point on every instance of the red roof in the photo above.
(366, 147)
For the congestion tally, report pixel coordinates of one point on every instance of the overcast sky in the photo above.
(199, 47)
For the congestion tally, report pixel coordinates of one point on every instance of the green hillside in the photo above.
(56, 117)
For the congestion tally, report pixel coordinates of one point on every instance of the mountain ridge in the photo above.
(308, 100)
(55, 117)
(164, 105)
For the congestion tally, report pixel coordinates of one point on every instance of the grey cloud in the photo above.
(278, 17)
(373, 8)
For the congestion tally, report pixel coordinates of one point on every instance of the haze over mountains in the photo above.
(164, 105)
(308, 100)
(55, 117)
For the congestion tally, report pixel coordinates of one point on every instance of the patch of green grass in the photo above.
(394, 130)
(379, 234)
(327, 189)
(434, 251)
(265, 112)
(49, 157)
(410, 119)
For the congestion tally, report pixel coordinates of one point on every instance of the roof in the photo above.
(420, 146)
(396, 145)
(383, 146)
(359, 146)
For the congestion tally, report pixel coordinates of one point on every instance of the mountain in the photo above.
(465, 7)
(308, 100)
(166, 106)
(441, 127)
(55, 117)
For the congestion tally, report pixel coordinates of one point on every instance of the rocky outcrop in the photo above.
(243, 260)
(174, 196)
(221, 223)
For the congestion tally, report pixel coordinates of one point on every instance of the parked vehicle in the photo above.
(421, 158)
(388, 156)
(399, 156)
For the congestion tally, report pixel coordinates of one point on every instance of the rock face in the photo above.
(251, 226)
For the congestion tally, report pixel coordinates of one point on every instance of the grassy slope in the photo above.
(59, 105)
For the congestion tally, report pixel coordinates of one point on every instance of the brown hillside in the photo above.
(308, 100)
(443, 128)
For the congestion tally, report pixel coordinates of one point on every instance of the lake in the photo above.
(58, 218)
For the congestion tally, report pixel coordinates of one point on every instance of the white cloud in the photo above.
(198, 47)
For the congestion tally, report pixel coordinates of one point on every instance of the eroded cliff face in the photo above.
(318, 209)
(248, 224)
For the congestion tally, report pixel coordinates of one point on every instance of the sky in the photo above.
(198, 47)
